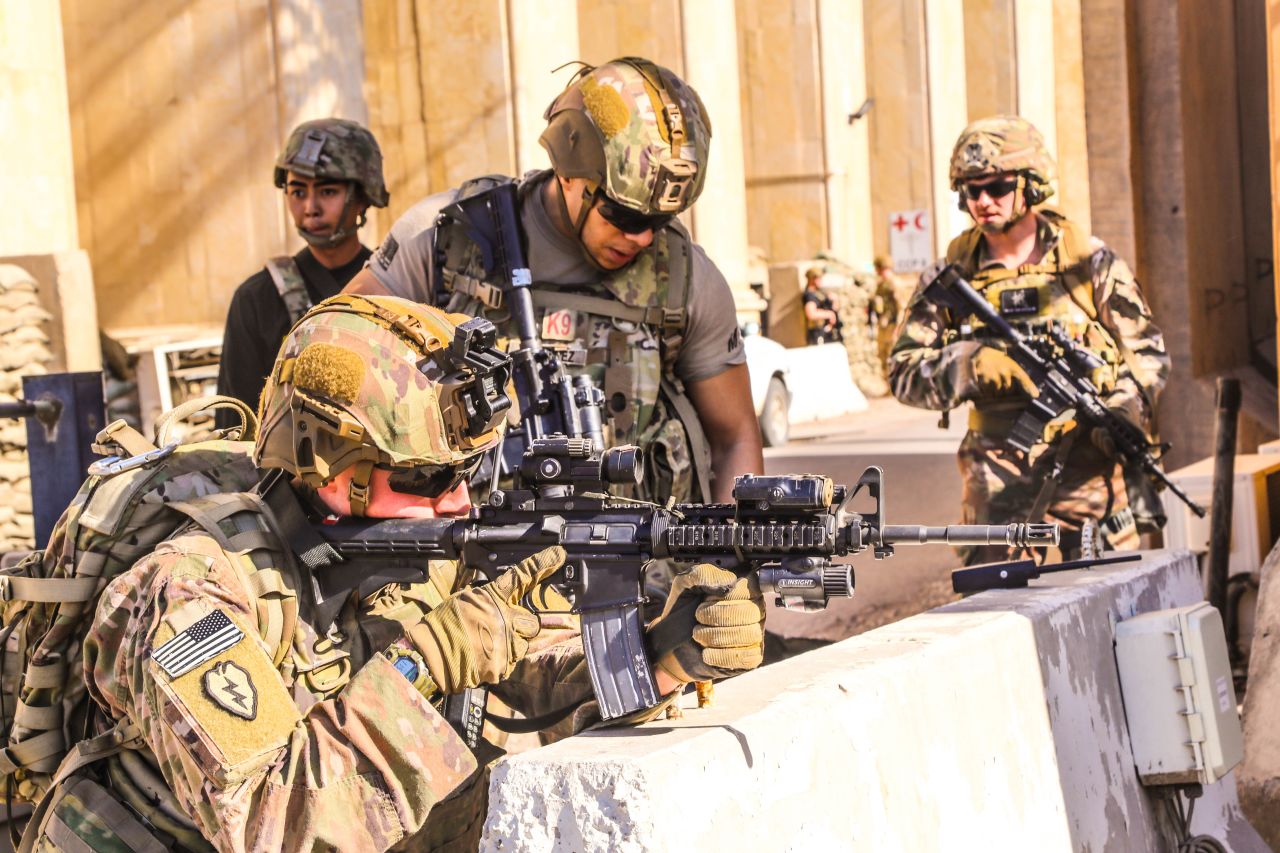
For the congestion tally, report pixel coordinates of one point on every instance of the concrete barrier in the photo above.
(821, 384)
(993, 723)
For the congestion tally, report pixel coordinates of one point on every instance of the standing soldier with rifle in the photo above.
(1045, 276)
(619, 289)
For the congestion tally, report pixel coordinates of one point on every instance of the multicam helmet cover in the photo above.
(634, 130)
(337, 149)
(383, 381)
(1001, 144)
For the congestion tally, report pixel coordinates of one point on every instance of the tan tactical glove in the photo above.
(1057, 430)
(712, 624)
(479, 634)
(998, 375)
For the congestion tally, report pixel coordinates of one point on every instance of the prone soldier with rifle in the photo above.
(1054, 346)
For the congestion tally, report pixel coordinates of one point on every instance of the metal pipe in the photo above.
(1224, 462)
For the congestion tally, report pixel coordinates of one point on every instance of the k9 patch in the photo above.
(202, 641)
(1019, 301)
(560, 326)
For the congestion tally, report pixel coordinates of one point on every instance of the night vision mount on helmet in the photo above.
(380, 381)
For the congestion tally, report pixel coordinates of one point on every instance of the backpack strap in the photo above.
(123, 735)
(290, 285)
(1074, 253)
(452, 247)
(213, 402)
(675, 319)
(49, 590)
(557, 300)
(118, 435)
(963, 248)
(699, 446)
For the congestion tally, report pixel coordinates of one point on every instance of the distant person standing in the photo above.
(821, 313)
(887, 307)
(331, 173)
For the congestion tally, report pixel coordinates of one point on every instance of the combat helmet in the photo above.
(339, 150)
(378, 381)
(1004, 143)
(635, 131)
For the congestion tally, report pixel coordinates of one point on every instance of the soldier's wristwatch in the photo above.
(411, 665)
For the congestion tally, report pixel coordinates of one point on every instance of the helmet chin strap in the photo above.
(339, 234)
(1020, 206)
(358, 490)
(588, 201)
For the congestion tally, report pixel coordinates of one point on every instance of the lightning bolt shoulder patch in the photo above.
(220, 697)
(231, 688)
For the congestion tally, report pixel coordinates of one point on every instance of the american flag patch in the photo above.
(213, 634)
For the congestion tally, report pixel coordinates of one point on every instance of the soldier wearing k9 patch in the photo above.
(620, 290)
(1039, 270)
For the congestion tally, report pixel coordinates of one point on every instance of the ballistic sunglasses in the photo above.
(996, 189)
(629, 221)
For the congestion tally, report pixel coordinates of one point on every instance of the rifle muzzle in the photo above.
(1016, 535)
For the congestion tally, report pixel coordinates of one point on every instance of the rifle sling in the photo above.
(560, 300)
(528, 725)
(1050, 485)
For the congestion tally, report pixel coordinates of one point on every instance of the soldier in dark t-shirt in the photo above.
(331, 172)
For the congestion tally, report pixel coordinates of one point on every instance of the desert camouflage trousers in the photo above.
(1001, 485)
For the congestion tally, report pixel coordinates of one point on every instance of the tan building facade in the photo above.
(161, 120)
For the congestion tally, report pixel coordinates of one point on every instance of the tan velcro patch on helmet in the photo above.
(606, 107)
(329, 371)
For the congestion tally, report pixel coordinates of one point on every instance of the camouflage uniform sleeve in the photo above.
(924, 372)
(359, 771)
(1124, 313)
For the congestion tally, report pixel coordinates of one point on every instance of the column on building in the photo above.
(948, 111)
(720, 215)
(846, 136)
(392, 56)
(440, 71)
(1074, 191)
(920, 99)
(785, 157)
(320, 67)
(544, 37)
(991, 57)
(1189, 207)
(1110, 135)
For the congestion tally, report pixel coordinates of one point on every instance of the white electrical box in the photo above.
(1255, 509)
(1178, 695)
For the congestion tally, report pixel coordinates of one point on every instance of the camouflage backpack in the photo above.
(131, 501)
